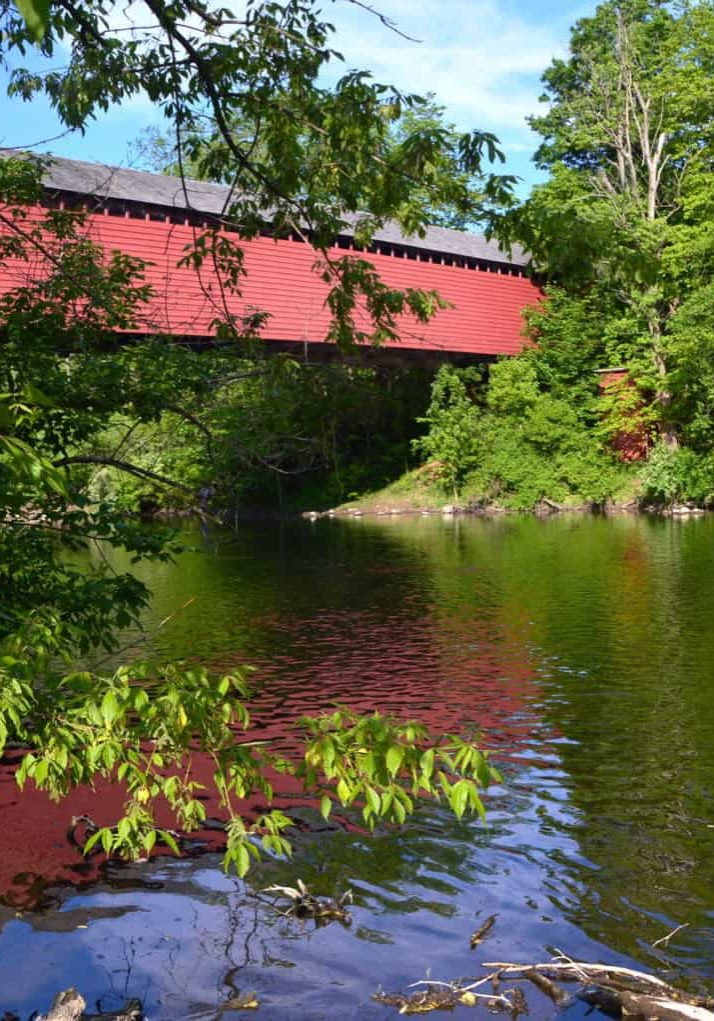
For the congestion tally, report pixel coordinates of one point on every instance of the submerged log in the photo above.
(482, 931)
(546, 985)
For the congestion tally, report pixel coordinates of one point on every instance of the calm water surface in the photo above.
(582, 649)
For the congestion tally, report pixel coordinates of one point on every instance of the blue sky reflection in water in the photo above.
(582, 647)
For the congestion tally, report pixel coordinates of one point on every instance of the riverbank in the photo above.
(418, 492)
(545, 508)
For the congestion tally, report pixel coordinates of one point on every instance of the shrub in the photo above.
(678, 473)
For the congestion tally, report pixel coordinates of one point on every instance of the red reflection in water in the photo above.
(456, 675)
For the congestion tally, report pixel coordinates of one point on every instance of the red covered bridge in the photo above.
(155, 218)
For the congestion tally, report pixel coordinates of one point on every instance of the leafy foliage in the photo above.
(244, 95)
(365, 757)
(679, 474)
(144, 726)
(67, 386)
(452, 421)
(453, 194)
(620, 224)
(512, 441)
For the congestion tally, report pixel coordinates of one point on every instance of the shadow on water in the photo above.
(581, 648)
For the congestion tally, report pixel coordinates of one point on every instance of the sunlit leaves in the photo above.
(622, 222)
(144, 726)
(37, 16)
(383, 766)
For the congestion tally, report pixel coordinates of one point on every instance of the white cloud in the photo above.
(482, 58)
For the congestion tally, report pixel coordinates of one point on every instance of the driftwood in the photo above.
(304, 904)
(619, 1002)
(482, 931)
(69, 1005)
(546, 985)
(619, 992)
(66, 1006)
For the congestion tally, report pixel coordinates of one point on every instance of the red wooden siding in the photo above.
(485, 317)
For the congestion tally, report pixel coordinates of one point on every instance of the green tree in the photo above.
(627, 141)
(452, 193)
(453, 422)
(511, 440)
(462, 197)
(64, 382)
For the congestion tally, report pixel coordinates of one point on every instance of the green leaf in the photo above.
(39, 774)
(479, 806)
(110, 708)
(37, 16)
(394, 759)
(459, 797)
(325, 806)
(32, 393)
(170, 841)
(91, 841)
(124, 828)
(241, 859)
(107, 839)
(373, 799)
(426, 762)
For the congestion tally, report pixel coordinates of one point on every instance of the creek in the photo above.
(582, 649)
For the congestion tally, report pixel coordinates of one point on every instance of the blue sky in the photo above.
(482, 58)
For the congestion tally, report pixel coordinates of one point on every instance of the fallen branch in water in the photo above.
(304, 904)
(447, 995)
(69, 1005)
(546, 985)
(482, 931)
(634, 992)
(579, 971)
(615, 990)
(664, 940)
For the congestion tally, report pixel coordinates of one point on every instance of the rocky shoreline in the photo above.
(543, 509)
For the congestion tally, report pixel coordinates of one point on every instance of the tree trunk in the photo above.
(663, 397)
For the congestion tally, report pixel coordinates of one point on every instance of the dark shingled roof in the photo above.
(124, 185)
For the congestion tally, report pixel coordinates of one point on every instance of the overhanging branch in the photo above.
(124, 466)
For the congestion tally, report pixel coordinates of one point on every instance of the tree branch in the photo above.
(386, 21)
(125, 466)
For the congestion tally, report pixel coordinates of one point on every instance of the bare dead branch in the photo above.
(385, 20)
